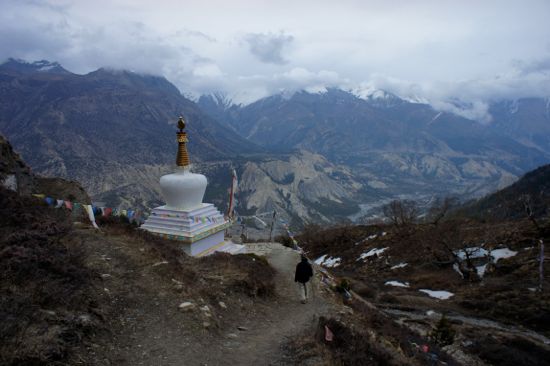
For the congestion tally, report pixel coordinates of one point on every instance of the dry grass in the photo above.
(45, 289)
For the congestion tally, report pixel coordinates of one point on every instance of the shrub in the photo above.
(443, 334)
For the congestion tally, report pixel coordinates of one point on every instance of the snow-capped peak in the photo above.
(45, 66)
(375, 96)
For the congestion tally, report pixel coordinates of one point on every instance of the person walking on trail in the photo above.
(303, 273)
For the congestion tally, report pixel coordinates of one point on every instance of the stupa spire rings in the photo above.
(182, 159)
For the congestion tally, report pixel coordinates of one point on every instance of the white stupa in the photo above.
(196, 226)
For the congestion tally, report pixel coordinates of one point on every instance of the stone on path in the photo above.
(186, 306)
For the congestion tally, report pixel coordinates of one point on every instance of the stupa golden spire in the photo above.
(183, 157)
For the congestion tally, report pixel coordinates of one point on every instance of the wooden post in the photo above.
(272, 224)
(541, 265)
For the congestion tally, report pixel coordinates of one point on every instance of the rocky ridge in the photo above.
(397, 146)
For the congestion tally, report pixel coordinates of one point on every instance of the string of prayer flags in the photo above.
(92, 211)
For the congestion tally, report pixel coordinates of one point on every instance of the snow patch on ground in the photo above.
(441, 295)
(502, 253)
(370, 253)
(370, 237)
(397, 284)
(320, 260)
(328, 262)
(478, 252)
(481, 270)
(400, 265)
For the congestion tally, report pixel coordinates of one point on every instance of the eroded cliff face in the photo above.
(17, 176)
(302, 186)
(14, 173)
(305, 187)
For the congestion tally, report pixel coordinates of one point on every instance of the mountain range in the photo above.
(114, 131)
(312, 156)
(398, 146)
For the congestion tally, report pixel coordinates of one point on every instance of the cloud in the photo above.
(440, 52)
(534, 66)
(268, 47)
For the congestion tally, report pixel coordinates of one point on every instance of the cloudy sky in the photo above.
(439, 50)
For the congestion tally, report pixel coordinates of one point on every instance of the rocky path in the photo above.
(151, 331)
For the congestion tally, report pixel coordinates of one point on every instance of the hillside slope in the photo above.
(399, 146)
(530, 192)
(63, 122)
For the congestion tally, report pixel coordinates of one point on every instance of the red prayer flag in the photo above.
(329, 336)
(69, 205)
(107, 211)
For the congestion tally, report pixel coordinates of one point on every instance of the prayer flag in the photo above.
(90, 211)
(107, 211)
(59, 204)
(69, 205)
(96, 210)
(329, 336)
(49, 201)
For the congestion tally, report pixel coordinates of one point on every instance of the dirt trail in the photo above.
(261, 345)
(151, 330)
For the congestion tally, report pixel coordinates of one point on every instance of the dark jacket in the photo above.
(303, 271)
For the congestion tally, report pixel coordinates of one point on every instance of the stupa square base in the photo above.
(197, 231)
(202, 246)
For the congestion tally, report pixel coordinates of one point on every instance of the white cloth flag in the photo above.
(90, 212)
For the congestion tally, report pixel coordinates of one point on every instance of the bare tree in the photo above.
(401, 212)
(440, 208)
(465, 261)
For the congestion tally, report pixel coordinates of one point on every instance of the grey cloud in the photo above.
(269, 47)
(433, 55)
(527, 67)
